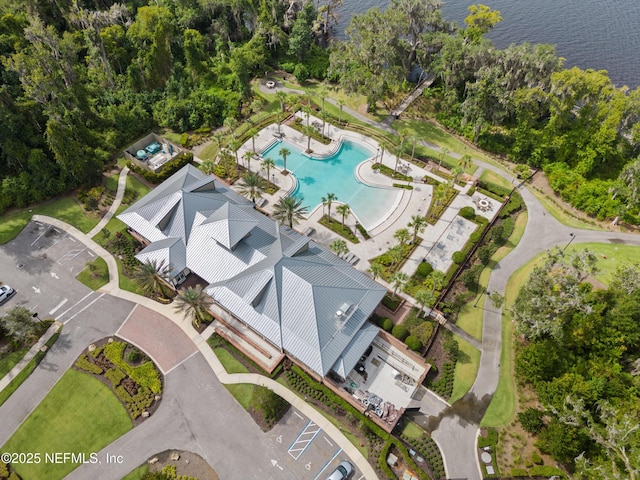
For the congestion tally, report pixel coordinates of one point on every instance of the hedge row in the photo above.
(84, 363)
(115, 376)
(389, 172)
(137, 403)
(145, 375)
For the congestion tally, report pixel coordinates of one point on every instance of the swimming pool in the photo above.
(336, 174)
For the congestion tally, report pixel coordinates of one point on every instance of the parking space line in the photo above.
(57, 307)
(298, 415)
(82, 310)
(39, 237)
(70, 255)
(327, 464)
(327, 440)
(300, 444)
(72, 306)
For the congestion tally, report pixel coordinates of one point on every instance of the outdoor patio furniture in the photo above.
(309, 231)
(261, 202)
(354, 260)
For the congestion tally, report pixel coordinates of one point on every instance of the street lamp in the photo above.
(573, 237)
(480, 296)
(273, 178)
(35, 315)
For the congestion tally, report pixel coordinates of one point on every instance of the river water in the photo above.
(598, 34)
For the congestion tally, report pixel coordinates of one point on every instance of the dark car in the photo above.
(342, 471)
(6, 292)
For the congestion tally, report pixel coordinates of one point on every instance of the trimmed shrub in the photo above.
(387, 324)
(413, 343)
(536, 458)
(531, 420)
(424, 269)
(115, 376)
(84, 363)
(485, 253)
(546, 471)
(458, 257)
(468, 212)
(475, 236)
(400, 332)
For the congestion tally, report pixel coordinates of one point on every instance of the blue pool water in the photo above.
(336, 174)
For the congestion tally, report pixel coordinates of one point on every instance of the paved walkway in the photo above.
(33, 351)
(122, 186)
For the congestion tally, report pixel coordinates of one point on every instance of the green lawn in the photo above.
(111, 183)
(97, 279)
(466, 370)
(242, 392)
(10, 360)
(489, 176)
(67, 209)
(80, 414)
(561, 214)
(138, 473)
(609, 256)
(411, 430)
(470, 319)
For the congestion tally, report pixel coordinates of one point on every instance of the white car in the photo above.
(342, 471)
(6, 292)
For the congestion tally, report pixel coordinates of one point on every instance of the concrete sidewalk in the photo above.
(51, 331)
(122, 185)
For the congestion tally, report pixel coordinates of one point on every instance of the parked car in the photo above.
(342, 471)
(6, 292)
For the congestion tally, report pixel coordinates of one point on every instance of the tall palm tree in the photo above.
(418, 223)
(193, 302)
(289, 210)
(341, 103)
(282, 97)
(253, 133)
(324, 115)
(444, 151)
(268, 164)
(398, 153)
(465, 161)
(152, 276)
(344, 210)
(398, 279)
(414, 140)
(339, 247)
(235, 146)
(402, 235)
(247, 158)
(252, 186)
(383, 147)
(396, 254)
(284, 152)
(328, 200)
(231, 124)
(376, 269)
(435, 281)
(308, 131)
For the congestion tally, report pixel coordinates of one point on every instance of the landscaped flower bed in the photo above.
(133, 377)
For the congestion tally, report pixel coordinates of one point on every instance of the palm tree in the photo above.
(324, 115)
(308, 131)
(457, 173)
(247, 158)
(435, 280)
(253, 133)
(341, 103)
(231, 123)
(268, 164)
(235, 146)
(465, 161)
(152, 276)
(284, 152)
(383, 147)
(344, 210)
(193, 302)
(398, 280)
(398, 152)
(339, 247)
(289, 209)
(414, 140)
(252, 186)
(328, 200)
(396, 254)
(444, 151)
(402, 235)
(282, 97)
(376, 269)
(424, 297)
(418, 223)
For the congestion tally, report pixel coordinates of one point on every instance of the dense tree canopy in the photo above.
(580, 353)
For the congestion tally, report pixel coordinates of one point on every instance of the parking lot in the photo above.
(41, 263)
(306, 451)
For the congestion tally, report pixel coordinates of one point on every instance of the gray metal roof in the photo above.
(170, 250)
(355, 349)
(280, 283)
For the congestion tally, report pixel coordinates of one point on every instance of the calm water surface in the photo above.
(598, 34)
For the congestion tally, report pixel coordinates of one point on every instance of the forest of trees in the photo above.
(580, 351)
(82, 78)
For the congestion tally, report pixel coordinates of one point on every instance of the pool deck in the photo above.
(439, 242)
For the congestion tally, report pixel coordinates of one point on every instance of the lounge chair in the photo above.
(354, 260)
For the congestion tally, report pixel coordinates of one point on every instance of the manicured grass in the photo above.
(27, 370)
(80, 414)
(135, 190)
(209, 152)
(138, 473)
(471, 319)
(610, 257)
(466, 370)
(67, 209)
(489, 176)
(97, 279)
(411, 430)
(431, 133)
(560, 213)
(111, 183)
(242, 392)
(10, 360)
